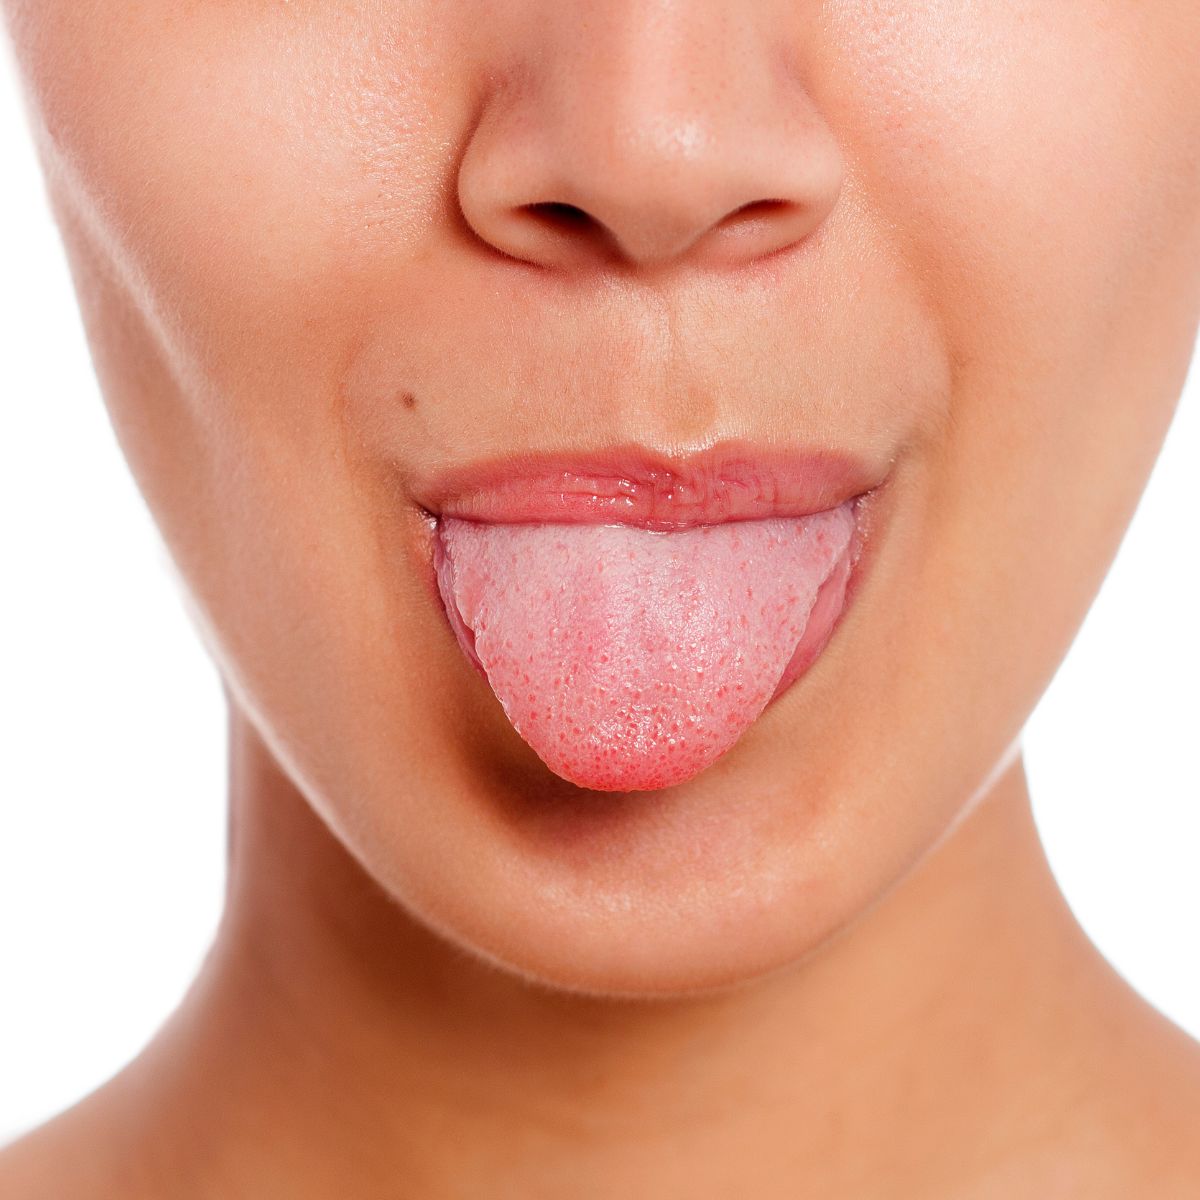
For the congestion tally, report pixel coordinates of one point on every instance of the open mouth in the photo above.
(634, 626)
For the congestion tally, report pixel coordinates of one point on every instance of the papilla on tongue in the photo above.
(631, 658)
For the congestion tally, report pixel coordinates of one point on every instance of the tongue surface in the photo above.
(629, 658)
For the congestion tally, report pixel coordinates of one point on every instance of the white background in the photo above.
(112, 734)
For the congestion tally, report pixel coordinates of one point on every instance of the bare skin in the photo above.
(973, 1048)
(320, 253)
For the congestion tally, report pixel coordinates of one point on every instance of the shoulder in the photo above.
(1128, 1129)
(1157, 1112)
(26, 1171)
(71, 1155)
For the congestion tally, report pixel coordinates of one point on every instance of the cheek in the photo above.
(239, 164)
(1038, 167)
(1033, 159)
(224, 177)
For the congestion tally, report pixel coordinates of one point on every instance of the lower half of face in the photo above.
(298, 324)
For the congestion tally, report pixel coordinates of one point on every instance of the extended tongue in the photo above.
(629, 658)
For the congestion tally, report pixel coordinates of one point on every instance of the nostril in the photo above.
(570, 221)
(559, 215)
(755, 210)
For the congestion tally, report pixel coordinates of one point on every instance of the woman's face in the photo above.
(301, 238)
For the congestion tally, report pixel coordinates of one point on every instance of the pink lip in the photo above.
(630, 485)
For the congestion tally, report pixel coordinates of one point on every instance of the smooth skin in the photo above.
(322, 248)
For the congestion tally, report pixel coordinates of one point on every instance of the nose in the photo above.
(648, 134)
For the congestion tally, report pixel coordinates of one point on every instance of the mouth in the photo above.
(635, 613)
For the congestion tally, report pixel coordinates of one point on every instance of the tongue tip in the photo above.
(647, 773)
(647, 751)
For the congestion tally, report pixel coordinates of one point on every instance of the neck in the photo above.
(332, 1045)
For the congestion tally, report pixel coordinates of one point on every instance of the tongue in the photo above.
(629, 658)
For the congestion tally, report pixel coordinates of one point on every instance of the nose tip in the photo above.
(649, 151)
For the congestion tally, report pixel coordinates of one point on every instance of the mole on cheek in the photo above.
(408, 400)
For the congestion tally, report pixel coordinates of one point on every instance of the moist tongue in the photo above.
(630, 658)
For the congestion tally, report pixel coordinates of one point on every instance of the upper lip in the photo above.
(634, 485)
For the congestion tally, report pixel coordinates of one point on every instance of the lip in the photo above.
(632, 485)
